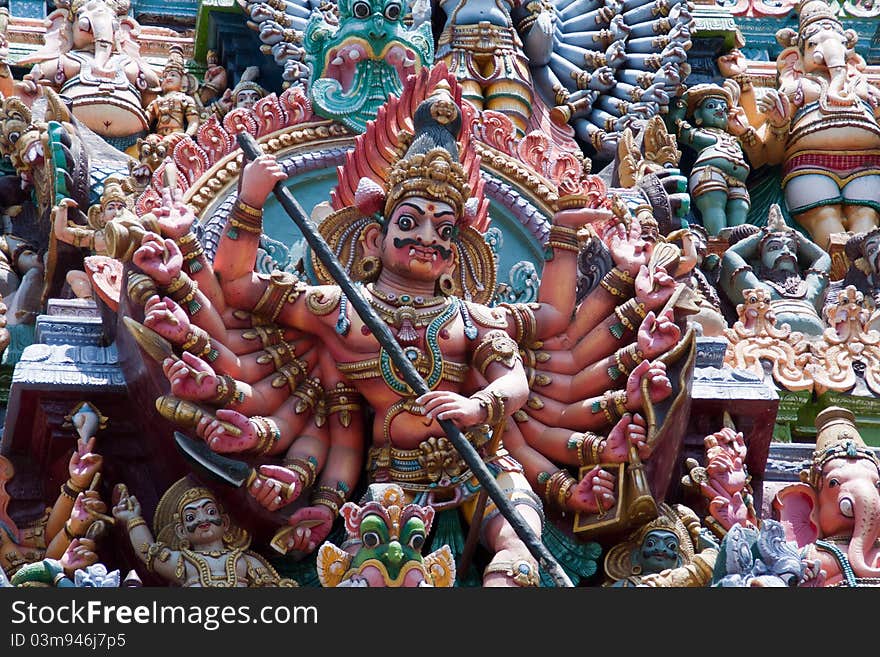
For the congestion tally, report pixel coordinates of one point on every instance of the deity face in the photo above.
(418, 240)
(380, 544)
(658, 551)
(712, 113)
(871, 252)
(779, 252)
(113, 209)
(172, 80)
(202, 522)
(246, 99)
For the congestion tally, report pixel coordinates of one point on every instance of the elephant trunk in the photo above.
(839, 92)
(865, 504)
(102, 31)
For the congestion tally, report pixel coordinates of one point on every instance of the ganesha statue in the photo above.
(833, 512)
(92, 57)
(384, 543)
(822, 126)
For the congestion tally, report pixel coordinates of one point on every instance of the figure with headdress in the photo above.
(215, 80)
(833, 510)
(92, 57)
(794, 270)
(173, 111)
(822, 126)
(113, 229)
(195, 542)
(243, 95)
(669, 551)
(863, 253)
(413, 240)
(717, 181)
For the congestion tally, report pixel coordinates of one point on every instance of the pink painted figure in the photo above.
(415, 242)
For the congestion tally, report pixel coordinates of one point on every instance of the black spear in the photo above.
(407, 369)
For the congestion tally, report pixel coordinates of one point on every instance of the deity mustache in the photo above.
(445, 253)
(191, 526)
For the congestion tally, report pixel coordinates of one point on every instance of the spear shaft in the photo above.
(412, 377)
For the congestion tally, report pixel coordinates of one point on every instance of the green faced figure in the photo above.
(712, 113)
(380, 544)
(779, 252)
(659, 551)
(365, 58)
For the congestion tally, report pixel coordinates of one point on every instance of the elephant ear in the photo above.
(58, 39)
(788, 64)
(798, 510)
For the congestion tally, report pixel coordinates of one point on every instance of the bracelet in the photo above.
(307, 469)
(629, 316)
(70, 491)
(137, 521)
(244, 217)
(227, 391)
(587, 441)
(83, 234)
(328, 496)
(268, 434)
(198, 342)
(67, 531)
(557, 487)
(523, 315)
(150, 552)
(192, 250)
(618, 283)
(743, 80)
(626, 359)
(749, 137)
(183, 290)
(493, 401)
(736, 272)
(780, 132)
(612, 404)
(563, 238)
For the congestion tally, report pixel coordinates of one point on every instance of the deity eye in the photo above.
(672, 547)
(392, 11)
(361, 10)
(417, 541)
(190, 517)
(833, 483)
(371, 539)
(405, 222)
(446, 232)
(13, 137)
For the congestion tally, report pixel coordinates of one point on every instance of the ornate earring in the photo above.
(636, 569)
(446, 285)
(367, 268)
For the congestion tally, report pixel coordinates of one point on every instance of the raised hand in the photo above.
(733, 63)
(653, 289)
(159, 259)
(776, 107)
(628, 250)
(580, 217)
(87, 507)
(657, 334)
(311, 525)
(174, 216)
(659, 387)
(631, 429)
(594, 490)
(191, 378)
(79, 554)
(223, 442)
(268, 488)
(84, 463)
(258, 178)
(127, 507)
(166, 318)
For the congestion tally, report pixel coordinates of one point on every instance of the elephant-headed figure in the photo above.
(835, 511)
(824, 123)
(92, 56)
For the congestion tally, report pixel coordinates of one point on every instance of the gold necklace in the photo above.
(395, 300)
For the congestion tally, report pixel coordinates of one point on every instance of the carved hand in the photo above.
(85, 508)
(258, 178)
(597, 487)
(266, 488)
(446, 405)
(166, 318)
(127, 507)
(657, 335)
(84, 464)
(629, 251)
(159, 259)
(653, 290)
(185, 382)
(174, 216)
(659, 387)
(223, 443)
(313, 524)
(79, 554)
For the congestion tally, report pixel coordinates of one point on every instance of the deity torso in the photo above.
(851, 127)
(474, 12)
(170, 112)
(108, 104)
(725, 154)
